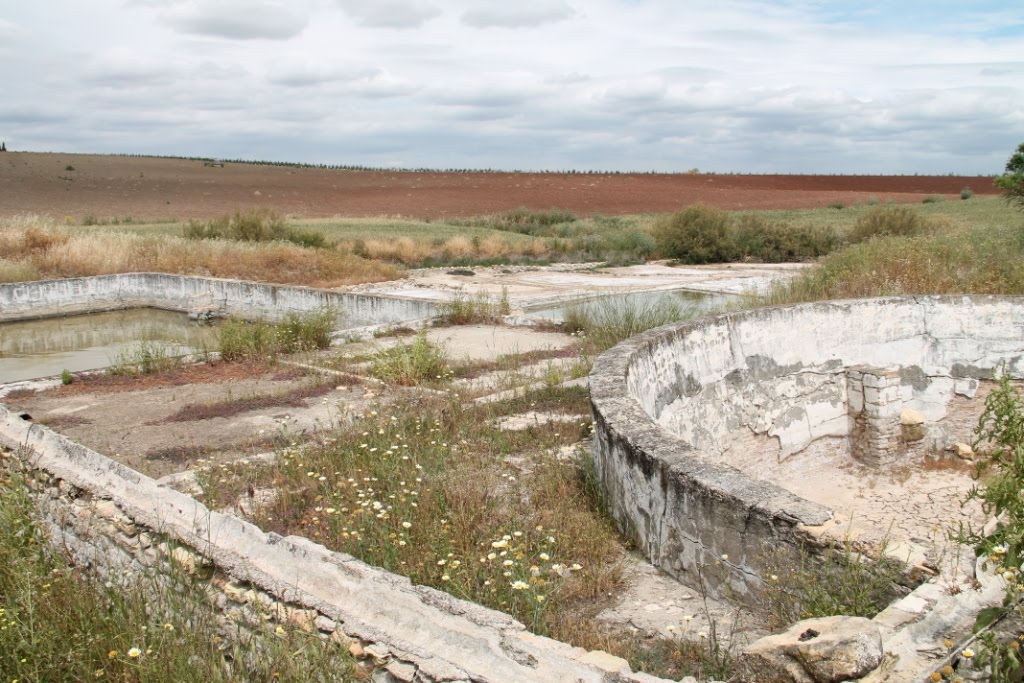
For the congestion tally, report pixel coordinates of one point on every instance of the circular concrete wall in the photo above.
(670, 403)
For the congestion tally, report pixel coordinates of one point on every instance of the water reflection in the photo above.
(41, 348)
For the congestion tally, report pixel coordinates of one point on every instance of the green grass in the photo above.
(63, 624)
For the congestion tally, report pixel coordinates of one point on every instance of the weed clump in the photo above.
(605, 322)
(474, 310)
(261, 340)
(409, 364)
(144, 358)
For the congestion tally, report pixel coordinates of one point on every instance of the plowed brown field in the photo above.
(152, 188)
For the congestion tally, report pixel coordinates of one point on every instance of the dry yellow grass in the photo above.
(411, 251)
(35, 248)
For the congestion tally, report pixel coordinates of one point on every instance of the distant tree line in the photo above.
(427, 169)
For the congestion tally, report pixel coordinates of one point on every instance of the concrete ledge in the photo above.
(668, 403)
(99, 509)
(49, 298)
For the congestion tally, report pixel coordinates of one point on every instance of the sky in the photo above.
(808, 86)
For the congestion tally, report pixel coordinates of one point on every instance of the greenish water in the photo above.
(43, 348)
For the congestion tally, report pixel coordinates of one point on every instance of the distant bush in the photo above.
(966, 193)
(900, 221)
(778, 242)
(697, 234)
(931, 199)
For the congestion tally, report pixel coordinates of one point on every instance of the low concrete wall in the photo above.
(671, 402)
(114, 519)
(47, 298)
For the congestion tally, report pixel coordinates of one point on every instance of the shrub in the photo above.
(900, 221)
(254, 225)
(931, 199)
(697, 234)
(966, 193)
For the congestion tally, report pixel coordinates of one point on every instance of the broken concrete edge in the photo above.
(188, 293)
(445, 638)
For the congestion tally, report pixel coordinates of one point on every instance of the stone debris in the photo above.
(824, 650)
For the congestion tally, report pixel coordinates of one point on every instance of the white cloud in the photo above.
(236, 19)
(390, 13)
(522, 14)
(313, 72)
(9, 32)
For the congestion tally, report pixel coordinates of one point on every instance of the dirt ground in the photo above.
(152, 189)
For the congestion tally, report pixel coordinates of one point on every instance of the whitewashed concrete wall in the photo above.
(669, 402)
(47, 298)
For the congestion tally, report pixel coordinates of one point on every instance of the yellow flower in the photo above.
(968, 653)
(112, 654)
(134, 652)
(936, 676)
(168, 627)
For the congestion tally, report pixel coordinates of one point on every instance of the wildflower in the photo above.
(134, 652)
(168, 626)
(936, 676)
(279, 630)
(688, 618)
(112, 654)
(670, 628)
(519, 585)
(947, 643)
(540, 598)
(545, 557)
(725, 557)
(576, 567)
(98, 673)
(775, 577)
(968, 653)
(406, 525)
(947, 671)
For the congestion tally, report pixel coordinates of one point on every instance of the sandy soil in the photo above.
(151, 188)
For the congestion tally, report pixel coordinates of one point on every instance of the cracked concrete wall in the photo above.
(114, 518)
(48, 298)
(670, 402)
